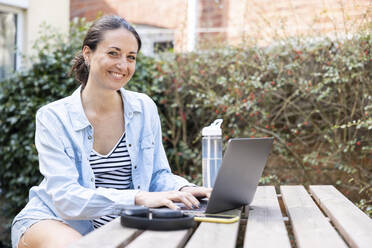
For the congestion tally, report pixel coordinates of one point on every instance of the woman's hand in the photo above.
(199, 192)
(160, 199)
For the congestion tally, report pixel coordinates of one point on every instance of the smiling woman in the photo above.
(99, 149)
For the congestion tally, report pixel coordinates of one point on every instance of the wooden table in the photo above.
(319, 217)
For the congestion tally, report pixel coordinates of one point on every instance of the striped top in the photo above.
(113, 170)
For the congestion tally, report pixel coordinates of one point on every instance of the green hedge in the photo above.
(313, 96)
(304, 93)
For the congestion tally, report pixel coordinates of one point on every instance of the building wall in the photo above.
(165, 14)
(237, 21)
(30, 14)
(267, 20)
(171, 15)
(53, 13)
(89, 9)
(213, 17)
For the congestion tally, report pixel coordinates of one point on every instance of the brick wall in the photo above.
(170, 14)
(150, 12)
(268, 20)
(90, 9)
(212, 14)
(238, 21)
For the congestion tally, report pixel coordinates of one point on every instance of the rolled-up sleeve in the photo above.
(61, 184)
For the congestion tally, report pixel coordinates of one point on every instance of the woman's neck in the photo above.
(100, 102)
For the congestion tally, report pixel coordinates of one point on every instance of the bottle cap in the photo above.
(213, 129)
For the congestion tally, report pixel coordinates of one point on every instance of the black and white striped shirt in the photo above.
(113, 170)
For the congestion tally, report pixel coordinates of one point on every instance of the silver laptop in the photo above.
(237, 180)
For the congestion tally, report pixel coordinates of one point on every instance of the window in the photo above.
(8, 43)
(11, 35)
(155, 39)
(163, 46)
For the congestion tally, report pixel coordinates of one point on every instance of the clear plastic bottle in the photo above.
(211, 152)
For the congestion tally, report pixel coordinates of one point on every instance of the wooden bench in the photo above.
(294, 218)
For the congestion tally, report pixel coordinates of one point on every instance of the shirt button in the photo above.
(89, 137)
(135, 167)
(92, 179)
(139, 187)
(130, 145)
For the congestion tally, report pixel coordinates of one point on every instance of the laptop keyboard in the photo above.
(202, 207)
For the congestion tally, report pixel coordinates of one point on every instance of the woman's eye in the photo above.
(112, 53)
(132, 57)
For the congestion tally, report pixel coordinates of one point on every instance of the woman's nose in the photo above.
(122, 64)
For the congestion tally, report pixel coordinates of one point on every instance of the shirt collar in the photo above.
(131, 101)
(77, 114)
(76, 111)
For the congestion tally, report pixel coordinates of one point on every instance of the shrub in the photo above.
(298, 92)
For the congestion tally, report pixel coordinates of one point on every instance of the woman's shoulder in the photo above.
(55, 105)
(56, 109)
(138, 99)
(137, 95)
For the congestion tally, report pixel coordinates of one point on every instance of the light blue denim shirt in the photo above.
(64, 140)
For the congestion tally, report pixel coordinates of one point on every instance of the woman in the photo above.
(99, 149)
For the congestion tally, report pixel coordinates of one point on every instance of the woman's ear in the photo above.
(86, 54)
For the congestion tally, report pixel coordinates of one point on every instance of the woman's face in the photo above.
(113, 62)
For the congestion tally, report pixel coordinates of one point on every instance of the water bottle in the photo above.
(211, 152)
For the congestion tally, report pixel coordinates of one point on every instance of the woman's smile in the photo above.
(116, 75)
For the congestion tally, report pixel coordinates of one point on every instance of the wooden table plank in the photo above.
(310, 226)
(111, 235)
(352, 223)
(161, 239)
(265, 225)
(215, 235)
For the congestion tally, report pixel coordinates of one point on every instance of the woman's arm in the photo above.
(167, 188)
(163, 179)
(62, 183)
